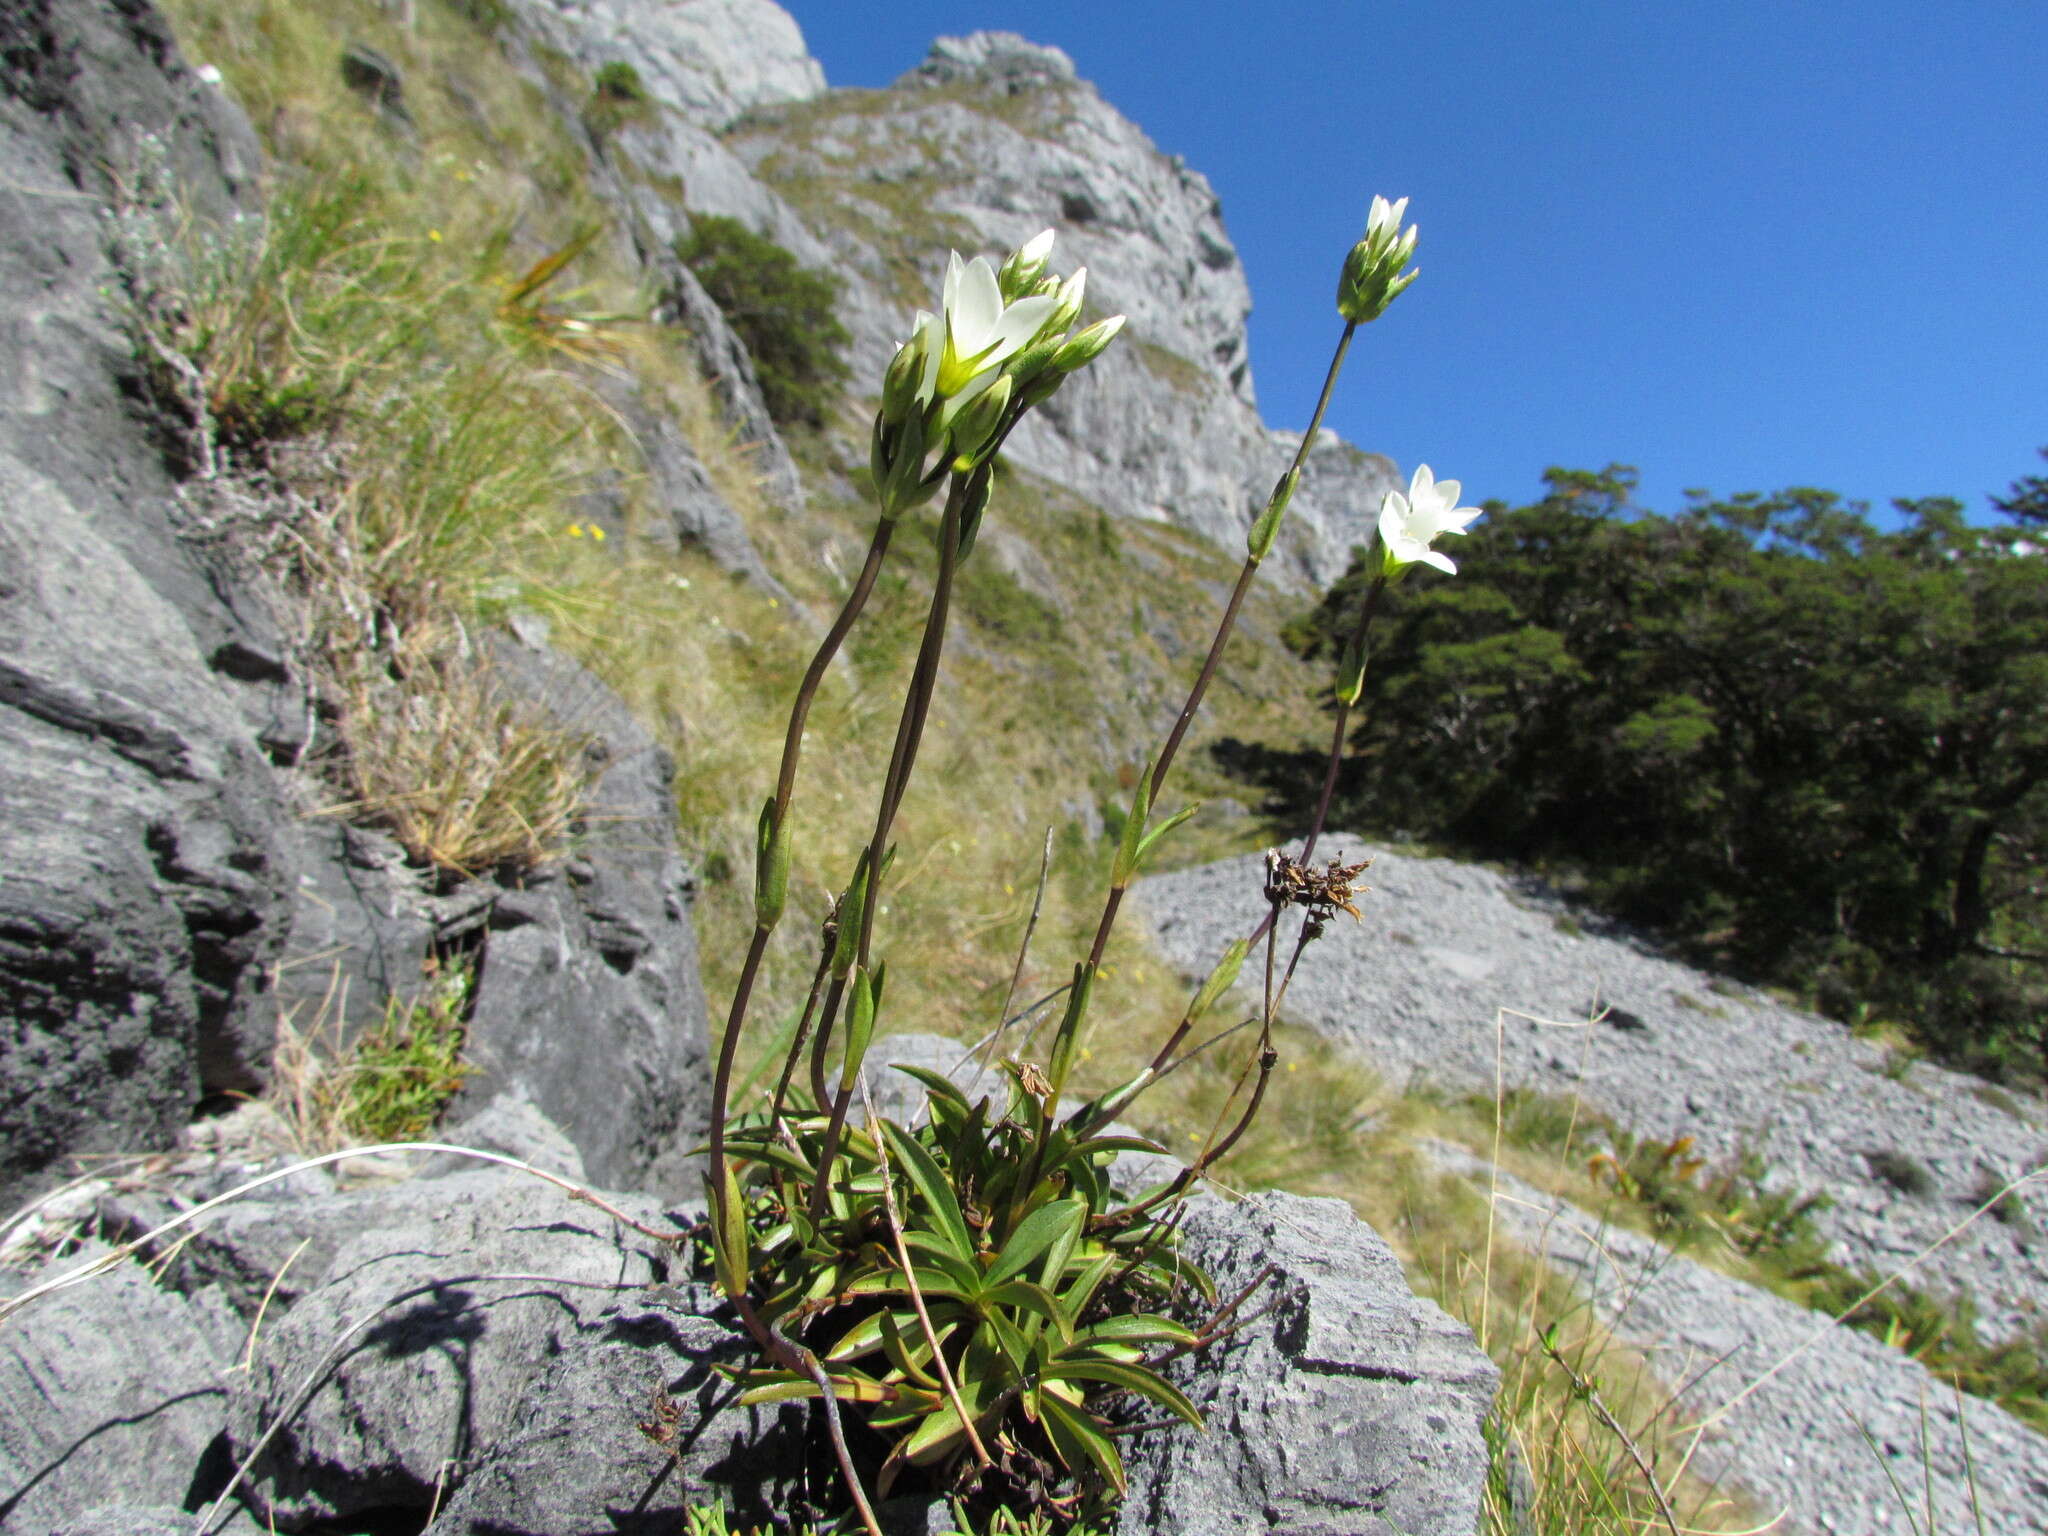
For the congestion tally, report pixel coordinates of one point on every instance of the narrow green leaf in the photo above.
(1133, 1378)
(1134, 831)
(1067, 1041)
(1034, 1235)
(1145, 843)
(937, 1435)
(846, 943)
(930, 1181)
(860, 1021)
(1219, 981)
(1077, 1296)
(1080, 1441)
(963, 1273)
(1259, 543)
(940, 1085)
(729, 1254)
(1028, 1296)
(1135, 1328)
(771, 865)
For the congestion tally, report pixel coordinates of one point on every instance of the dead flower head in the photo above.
(1324, 892)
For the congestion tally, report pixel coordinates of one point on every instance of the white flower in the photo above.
(981, 331)
(1385, 218)
(1410, 524)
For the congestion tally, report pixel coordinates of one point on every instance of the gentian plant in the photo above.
(974, 1284)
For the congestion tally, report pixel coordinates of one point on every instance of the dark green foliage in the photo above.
(782, 311)
(619, 81)
(1809, 748)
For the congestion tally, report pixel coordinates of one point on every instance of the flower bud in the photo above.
(1019, 276)
(1372, 277)
(899, 384)
(976, 425)
(1067, 307)
(1084, 347)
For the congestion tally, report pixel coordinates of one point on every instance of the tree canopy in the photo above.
(1808, 746)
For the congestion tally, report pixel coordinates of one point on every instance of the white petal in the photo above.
(1037, 250)
(1377, 219)
(1019, 323)
(974, 307)
(1447, 492)
(951, 286)
(1441, 562)
(1393, 516)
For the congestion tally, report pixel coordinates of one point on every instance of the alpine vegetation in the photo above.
(977, 1283)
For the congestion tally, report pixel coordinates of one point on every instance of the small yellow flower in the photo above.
(597, 533)
(575, 530)
(434, 235)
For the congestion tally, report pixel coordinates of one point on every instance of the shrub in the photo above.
(783, 311)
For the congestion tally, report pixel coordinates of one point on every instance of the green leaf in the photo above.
(1035, 1234)
(964, 1273)
(729, 1252)
(1126, 862)
(771, 865)
(1067, 1041)
(937, 1435)
(1133, 1378)
(1079, 1439)
(1145, 843)
(785, 1386)
(1028, 1296)
(846, 943)
(930, 1181)
(1219, 981)
(1259, 542)
(1135, 1328)
(1077, 1296)
(1016, 1349)
(1096, 1144)
(772, 1152)
(940, 1085)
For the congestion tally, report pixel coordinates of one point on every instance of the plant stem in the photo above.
(785, 786)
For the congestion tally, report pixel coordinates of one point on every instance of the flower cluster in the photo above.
(998, 346)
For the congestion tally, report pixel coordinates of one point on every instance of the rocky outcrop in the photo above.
(145, 863)
(163, 904)
(478, 1350)
(989, 141)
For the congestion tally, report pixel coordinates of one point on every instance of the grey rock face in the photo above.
(1457, 972)
(1797, 1437)
(993, 139)
(588, 1000)
(714, 59)
(1354, 1407)
(144, 870)
(481, 1340)
(111, 1395)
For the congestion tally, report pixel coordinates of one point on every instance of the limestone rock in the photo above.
(94, 1413)
(146, 874)
(588, 1001)
(712, 58)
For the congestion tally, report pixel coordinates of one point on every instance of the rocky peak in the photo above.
(993, 138)
(999, 58)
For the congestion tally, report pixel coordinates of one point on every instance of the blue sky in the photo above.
(1741, 246)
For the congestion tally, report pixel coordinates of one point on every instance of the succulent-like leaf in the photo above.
(1028, 1296)
(940, 1085)
(1145, 843)
(1126, 862)
(784, 1386)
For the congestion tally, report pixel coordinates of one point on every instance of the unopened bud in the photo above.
(899, 384)
(1372, 277)
(1020, 274)
(976, 425)
(1084, 347)
(1068, 308)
